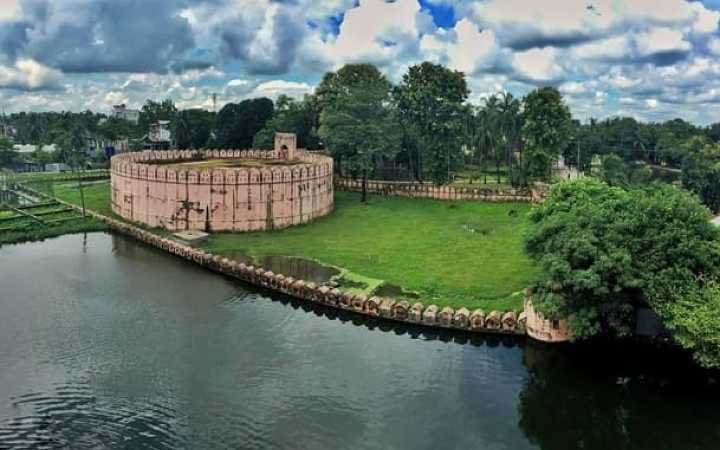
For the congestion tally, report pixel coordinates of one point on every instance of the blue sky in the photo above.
(651, 59)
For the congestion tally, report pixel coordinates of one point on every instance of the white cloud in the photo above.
(538, 64)
(237, 82)
(472, 47)
(29, 74)
(660, 40)
(8, 9)
(275, 88)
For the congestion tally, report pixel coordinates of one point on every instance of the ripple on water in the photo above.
(72, 416)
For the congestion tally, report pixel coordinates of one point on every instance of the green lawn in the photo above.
(458, 254)
(450, 253)
(97, 194)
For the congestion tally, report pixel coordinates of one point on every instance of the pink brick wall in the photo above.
(228, 199)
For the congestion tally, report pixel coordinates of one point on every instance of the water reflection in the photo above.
(621, 396)
(119, 345)
(293, 266)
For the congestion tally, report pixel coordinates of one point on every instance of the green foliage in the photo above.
(604, 248)
(7, 154)
(193, 128)
(546, 129)
(291, 116)
(431, 101)
(153, 111)
(690, 308)
(701, 171)
(360, 125)
(238, 123)
(614, 171)
(495, 136)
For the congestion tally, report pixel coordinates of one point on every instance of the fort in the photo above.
(223, 190)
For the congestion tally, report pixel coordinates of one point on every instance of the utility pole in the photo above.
(578, 156)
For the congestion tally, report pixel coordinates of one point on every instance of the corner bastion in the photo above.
(223, 190)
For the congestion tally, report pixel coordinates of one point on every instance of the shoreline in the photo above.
(462, 319)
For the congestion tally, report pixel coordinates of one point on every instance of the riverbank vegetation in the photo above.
(42, 219)
(608, 250)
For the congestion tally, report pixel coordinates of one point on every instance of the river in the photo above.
(107, 343)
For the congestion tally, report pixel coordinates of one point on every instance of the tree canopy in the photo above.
(360, 123)
(238, 123)
(701, 171)
(546, 129)
(431, 101)
(606, 249)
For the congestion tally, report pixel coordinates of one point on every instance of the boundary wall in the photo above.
(432, 191)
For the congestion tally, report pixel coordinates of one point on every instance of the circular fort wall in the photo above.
(148, 187)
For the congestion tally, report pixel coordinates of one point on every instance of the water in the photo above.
(292, 266)
(105, 343)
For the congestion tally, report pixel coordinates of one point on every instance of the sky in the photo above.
(650, 59)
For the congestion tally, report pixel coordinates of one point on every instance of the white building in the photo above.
(122, 112)
(158, 137)
(29, 148)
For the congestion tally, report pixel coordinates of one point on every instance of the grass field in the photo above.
(460, 253)
(450, 253)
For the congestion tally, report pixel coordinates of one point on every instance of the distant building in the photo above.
(56, 167)
(29, 148)
(158, 137)
(122, 112)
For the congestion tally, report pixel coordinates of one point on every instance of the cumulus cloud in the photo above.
(27, 74)
(661, 54)
(99, 35)
(538, 65)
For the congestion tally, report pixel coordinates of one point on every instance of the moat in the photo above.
(108, 343)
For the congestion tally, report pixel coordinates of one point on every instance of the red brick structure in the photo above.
(240, 190)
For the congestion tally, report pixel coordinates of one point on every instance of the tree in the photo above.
(360, 124)
(545, 130)
(238, 123)
(72, 152)
(701, 171)
(604, 249)
(431, 99)
(614, 170)
(290, 116)
(193, 128)
(8, 155)
(691, 311)
(153, 111)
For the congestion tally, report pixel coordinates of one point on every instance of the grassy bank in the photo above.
(36, 231)
(43, 219)
(460, 253)
(450, 253)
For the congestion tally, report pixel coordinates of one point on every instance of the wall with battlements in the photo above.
(146, 190)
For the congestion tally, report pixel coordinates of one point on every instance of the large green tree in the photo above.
(604, 249)
(238, 123)
(701, 171)
(360, 124)
(546, 129)
(431, 100)
(193, 127)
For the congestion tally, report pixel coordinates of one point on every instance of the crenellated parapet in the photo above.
(248, 190)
